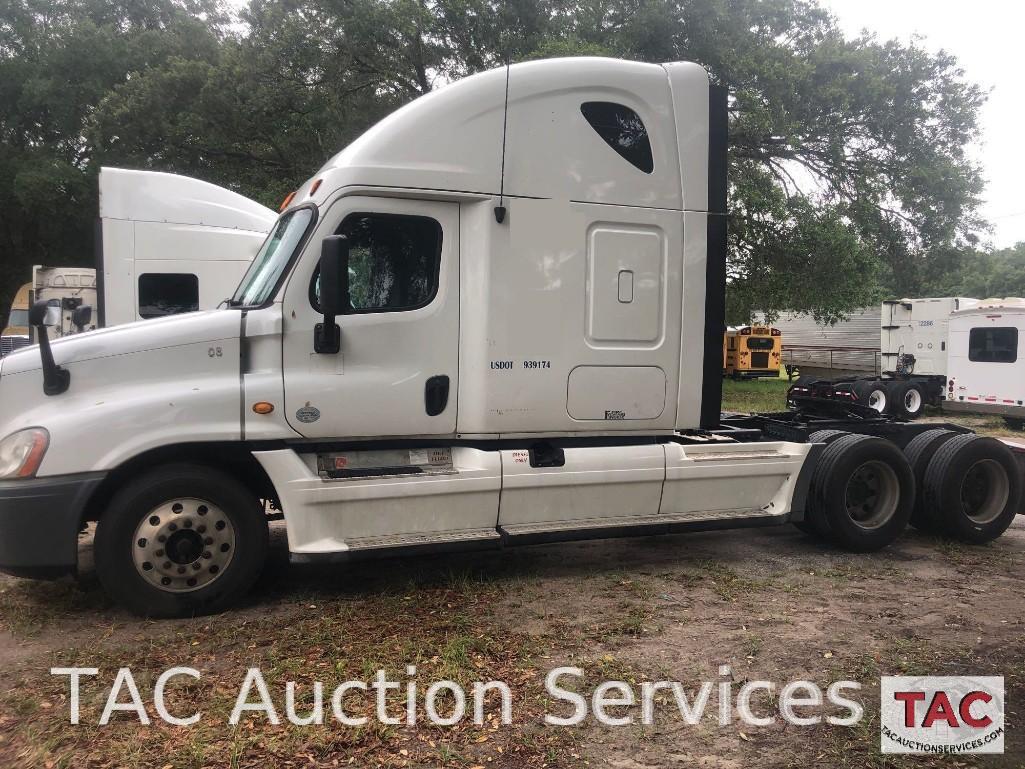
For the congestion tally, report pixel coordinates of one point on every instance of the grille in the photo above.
(12, 343)
(759, 360)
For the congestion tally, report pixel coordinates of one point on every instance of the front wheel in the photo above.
(181, 540)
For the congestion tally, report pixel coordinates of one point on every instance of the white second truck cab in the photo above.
(467, 329)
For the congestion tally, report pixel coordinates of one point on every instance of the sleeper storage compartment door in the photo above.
(731, 480)
(595, 487)
(616, 393)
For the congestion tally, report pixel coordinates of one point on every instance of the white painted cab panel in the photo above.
(339, 515)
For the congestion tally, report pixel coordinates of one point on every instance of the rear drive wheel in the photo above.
(863, 492)
(181, 540)
(872, 393)
(974, 484)
(826, 436)
(907, 400)
(920, 451)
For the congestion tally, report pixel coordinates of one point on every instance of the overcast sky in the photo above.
(986, 37)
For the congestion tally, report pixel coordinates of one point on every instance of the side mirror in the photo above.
(42, 315)
(55, 378)
(334, 292)
(82, 316)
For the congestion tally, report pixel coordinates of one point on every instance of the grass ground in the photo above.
(770, 603)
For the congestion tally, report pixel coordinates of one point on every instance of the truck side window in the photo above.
(993, 345)
(167, 293)
(623, 130)
(394, 261)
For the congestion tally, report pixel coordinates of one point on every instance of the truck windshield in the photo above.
(18, 318)
(276, 252)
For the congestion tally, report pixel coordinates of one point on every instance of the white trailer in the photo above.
(986, 373)
(849, 347)
(434, 348)
(169, 244)
(914, 333)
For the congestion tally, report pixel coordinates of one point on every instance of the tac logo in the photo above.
(942, 714)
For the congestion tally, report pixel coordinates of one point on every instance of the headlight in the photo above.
(22, 452)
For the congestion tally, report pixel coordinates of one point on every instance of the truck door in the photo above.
(395, 374)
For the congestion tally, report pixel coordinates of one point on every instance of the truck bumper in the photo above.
(39, 523)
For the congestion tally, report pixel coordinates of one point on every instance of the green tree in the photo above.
(58, 59)
(849, 178)
(984, 274)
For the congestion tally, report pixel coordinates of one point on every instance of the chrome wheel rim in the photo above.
(183, 545)
(872, 494)
(984, 491)
(877, 400)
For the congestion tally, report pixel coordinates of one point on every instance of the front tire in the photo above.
(181, 540)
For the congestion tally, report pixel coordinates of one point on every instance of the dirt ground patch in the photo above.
(770, 603)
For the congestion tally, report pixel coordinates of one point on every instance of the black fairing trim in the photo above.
(715, 266)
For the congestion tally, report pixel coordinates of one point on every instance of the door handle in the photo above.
(436, 395)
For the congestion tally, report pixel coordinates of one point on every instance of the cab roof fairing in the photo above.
(451, 139)
(153, 196)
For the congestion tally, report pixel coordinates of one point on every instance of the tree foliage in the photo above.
(849, 177)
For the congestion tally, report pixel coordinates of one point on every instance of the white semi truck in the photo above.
(169, 244)
(474, 327)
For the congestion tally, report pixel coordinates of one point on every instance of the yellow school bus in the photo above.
(752, 351)
(15, 333)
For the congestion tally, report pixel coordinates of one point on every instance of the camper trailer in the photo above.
(434, 349)
(986, 371)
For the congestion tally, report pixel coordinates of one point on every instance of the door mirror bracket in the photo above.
(334, 293)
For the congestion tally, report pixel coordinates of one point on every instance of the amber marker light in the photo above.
(287, 200)
(263, 407)
(315, 186)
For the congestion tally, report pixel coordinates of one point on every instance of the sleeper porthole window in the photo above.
(623, 130)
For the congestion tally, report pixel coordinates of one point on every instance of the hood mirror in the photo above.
(55, 379)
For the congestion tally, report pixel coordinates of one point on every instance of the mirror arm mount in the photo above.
(56, 380)
(327, 337)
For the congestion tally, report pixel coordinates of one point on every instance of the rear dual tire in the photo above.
(920, 451)
(862, 493)
(872, 393)
(897, 397)
(972, 488)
